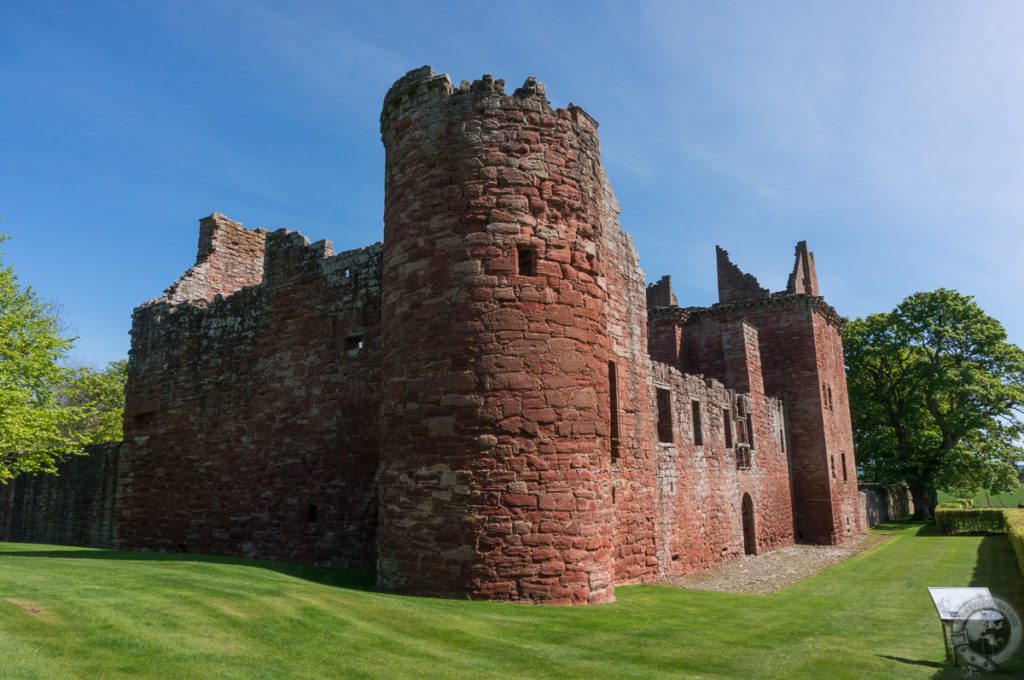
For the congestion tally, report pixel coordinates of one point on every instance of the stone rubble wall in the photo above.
(76, 507)
(251, 420)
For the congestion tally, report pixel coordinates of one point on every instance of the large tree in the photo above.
(47, 411)
(936, 394)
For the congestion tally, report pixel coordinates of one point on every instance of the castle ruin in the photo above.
(489, 404)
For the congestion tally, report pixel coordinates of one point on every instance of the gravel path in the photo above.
(763, 574)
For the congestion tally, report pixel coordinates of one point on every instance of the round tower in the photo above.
(495, 453)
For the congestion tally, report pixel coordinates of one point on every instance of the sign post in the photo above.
(949, 601)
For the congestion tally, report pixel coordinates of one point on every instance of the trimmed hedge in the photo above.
(1015, 532)
(977, 521)
(985, 521)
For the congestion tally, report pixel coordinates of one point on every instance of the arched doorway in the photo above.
(749, 532)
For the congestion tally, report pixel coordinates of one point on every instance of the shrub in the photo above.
(978, 521)
(1015, 532)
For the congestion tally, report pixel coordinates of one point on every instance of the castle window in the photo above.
(142, 419)
(613, 403)
(845, 474)
(743, 458)
(354, 342)
(782, 440)
(833, 466)
(750, 431)
(311, 513)
(698, 428)
(526, 261)
(830, 406)
(727, 424)
(664, 416)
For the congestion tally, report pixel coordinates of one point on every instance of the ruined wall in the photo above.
(885, 502)
(251, 419)
(801, 351)
(630, 404)
(495, 477)
(701, 486)
(76, 507)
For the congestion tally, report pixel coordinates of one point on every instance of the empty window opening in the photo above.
(664, 416)
(833, 466)
(142, 419)
(743, 458)
(613, 495)
(782, 440)
(829, 391)
(311, 513)
(698, 427)
(845, 474)
(346, 273)
(354, 342)
(613, 403)
(727, 424)
(750, 430)
(526, 261)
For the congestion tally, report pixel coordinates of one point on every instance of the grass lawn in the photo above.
(1006, 500)
(77, 613)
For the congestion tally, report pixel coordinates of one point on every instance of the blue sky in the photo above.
(888, 135)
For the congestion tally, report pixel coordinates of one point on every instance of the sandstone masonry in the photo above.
(490, 403)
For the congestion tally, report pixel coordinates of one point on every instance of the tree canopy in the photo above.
(47, 411)
(936, 395)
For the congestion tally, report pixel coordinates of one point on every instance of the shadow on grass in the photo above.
(338, 578)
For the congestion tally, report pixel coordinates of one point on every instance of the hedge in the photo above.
(986, 521)
(1015, 532)
(977, 521)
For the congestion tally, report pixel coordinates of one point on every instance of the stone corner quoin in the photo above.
(489, 404)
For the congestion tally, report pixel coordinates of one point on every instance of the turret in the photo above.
(495, 463)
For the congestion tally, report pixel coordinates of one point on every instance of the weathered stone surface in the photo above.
(76, 508)
(532, 421)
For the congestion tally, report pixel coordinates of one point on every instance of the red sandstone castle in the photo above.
(489, 404)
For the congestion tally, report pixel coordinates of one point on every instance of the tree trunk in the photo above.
(925, 500)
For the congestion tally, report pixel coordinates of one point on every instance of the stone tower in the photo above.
(495, 474)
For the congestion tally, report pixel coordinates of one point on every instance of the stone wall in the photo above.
(886, 502)
(251, 415)
(703, 477)
(76, 507)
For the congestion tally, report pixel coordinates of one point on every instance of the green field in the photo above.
(77, 613)
(1006, 500)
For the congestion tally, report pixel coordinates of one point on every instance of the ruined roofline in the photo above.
(422, 86)
(231, 258)
(734, 284)
(815, 303)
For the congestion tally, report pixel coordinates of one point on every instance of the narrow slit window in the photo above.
(727, 423)
(354, 342)
(830, 405)
(613, 403)
(664, 416)
(750, 431)
(846, 477)
(526, 261)
(833, 466)
(698, 427)
(782, 440)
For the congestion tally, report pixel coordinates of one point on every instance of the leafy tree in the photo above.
(95, 402)
(47, 411)
(936, 395)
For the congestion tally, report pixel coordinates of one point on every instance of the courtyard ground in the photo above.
(77, 613)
